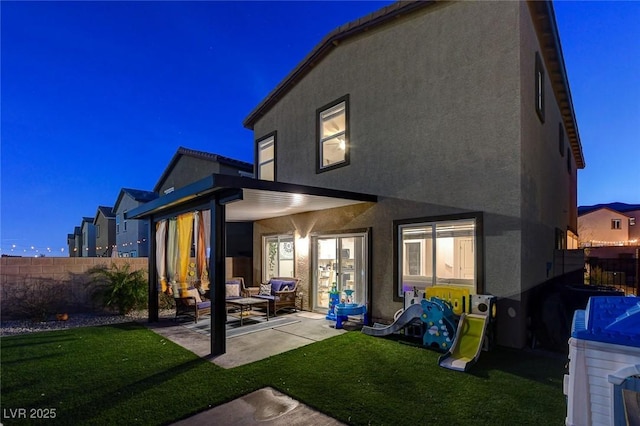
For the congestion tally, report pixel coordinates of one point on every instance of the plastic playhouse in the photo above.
(603, 384)
(450, 319)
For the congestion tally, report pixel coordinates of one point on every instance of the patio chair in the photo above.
(243, 290)
(191, 305)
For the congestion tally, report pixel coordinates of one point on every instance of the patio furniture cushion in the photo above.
(265, 289)
(232, 290)
(281, 285)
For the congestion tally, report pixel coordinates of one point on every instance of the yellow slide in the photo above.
(467, 344)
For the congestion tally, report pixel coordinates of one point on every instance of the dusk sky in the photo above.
(97, 96)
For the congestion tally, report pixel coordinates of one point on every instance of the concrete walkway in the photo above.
(309, 328)
(266, 406)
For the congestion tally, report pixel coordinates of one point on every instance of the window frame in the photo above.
(273, 135)
(280, 238)
(539, 87)
(320, 168)
(616, 224)
(398, 263)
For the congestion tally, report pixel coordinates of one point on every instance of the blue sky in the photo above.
(97, 96)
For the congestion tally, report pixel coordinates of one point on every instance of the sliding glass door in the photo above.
(340, 260)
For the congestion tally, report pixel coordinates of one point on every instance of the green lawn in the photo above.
(126, 374)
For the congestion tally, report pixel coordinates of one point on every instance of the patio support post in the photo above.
(153, 274)
(217, 278)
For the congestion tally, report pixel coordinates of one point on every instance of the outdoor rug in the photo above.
(311, 315)
(250, 325)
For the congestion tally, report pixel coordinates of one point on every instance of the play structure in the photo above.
(603, 384)
(448, 319)
(340, 312)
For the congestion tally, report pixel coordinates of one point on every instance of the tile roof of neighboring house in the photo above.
(182, 151)
(106, 211)
(618, 207)
(77, 230)
(543, 19)
(138, 195)
(71, 236)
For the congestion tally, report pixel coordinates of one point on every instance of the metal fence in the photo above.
(618, 273)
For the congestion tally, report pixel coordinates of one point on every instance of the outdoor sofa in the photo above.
(281, 292)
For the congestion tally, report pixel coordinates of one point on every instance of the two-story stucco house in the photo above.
(131, 235)
(614, 224)
(88, 232)
(427, 143)
(105, 228)
(190, 165)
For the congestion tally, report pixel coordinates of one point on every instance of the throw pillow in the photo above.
(232, 290)
(194, 293)
(285, 288)
(265, 290)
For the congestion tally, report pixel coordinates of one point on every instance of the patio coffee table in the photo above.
(248, 303)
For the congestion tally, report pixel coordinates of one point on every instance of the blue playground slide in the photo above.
(410, 314)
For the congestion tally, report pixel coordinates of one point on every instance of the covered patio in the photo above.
(226, 199)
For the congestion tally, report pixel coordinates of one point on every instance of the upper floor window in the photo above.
(561, 139)
(97, 231)
(539, 88)
(616, 224)
(333, 135)
(266, 157)
(117, 224)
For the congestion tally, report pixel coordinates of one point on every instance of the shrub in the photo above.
(120, 288)
(34, 298)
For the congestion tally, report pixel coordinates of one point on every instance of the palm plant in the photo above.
(120, 288)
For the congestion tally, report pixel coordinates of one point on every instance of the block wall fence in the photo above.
(63, 283)
(64, 280)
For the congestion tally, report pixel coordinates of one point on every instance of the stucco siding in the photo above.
(422, 112)
(596, 227)
(188, 170)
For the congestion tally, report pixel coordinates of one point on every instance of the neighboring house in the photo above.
(427, 143)
(71, 245)
(77, 249)
(88, 231)
(188, 166)
(131, 236)
(105, 227)
(606, 225)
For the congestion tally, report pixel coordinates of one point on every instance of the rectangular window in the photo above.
(278, 257)
(333, 135)
(561, 139)
(266, 157)
(437, 252)
(616, 224)
(97, 231)
(117, 224)
(539, 88)
(632, 221)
